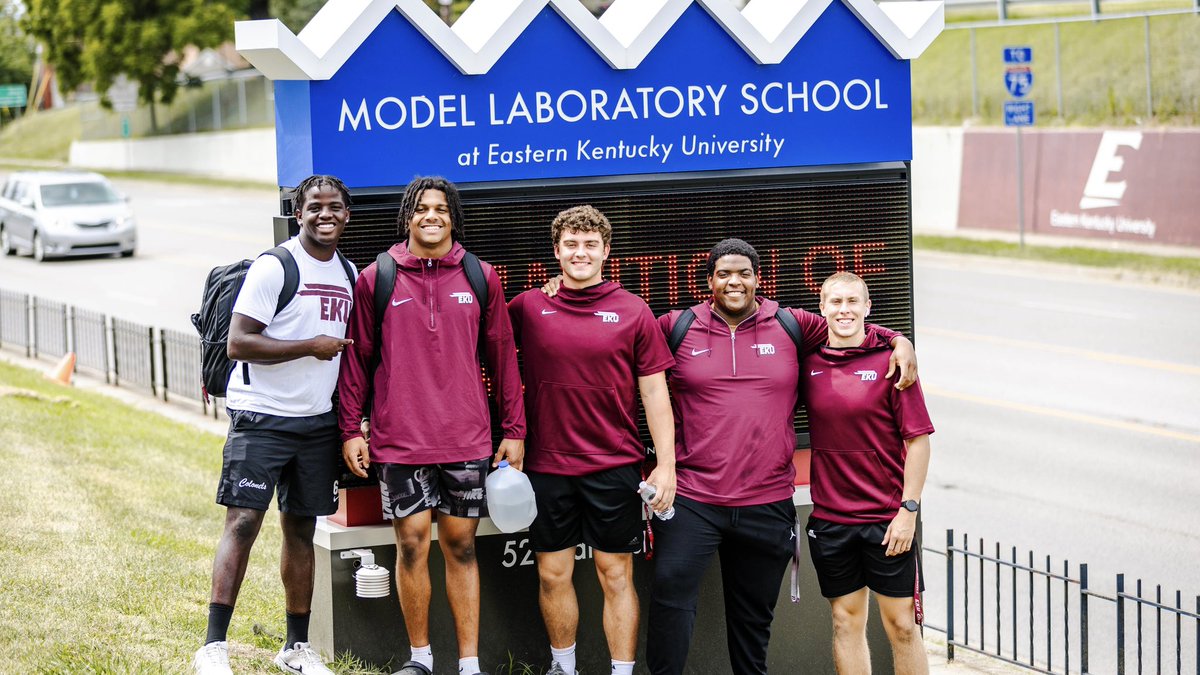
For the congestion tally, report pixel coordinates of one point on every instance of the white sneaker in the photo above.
(212, 659)
(301, 659)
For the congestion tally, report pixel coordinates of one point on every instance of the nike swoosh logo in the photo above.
(549, 311)
(698, 352)
(397, 303)
(815, 372)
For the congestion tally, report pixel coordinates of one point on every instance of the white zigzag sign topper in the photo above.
(766, 29)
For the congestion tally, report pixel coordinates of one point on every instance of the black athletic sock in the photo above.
(297, 628)
(218, 622)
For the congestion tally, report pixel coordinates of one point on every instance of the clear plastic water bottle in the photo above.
(648, 491)
(510, 500)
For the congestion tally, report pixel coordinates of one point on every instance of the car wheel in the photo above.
(6, 248)
(39, 249)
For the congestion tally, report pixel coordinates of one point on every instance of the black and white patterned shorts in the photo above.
(454, 488)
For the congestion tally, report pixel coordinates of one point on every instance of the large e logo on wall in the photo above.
(377, 91)
(1100, 191)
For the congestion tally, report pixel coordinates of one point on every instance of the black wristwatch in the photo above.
(911, 505)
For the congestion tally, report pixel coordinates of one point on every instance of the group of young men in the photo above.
(719, 411)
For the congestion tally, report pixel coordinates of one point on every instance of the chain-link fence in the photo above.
(245, 100)
(1110, 70)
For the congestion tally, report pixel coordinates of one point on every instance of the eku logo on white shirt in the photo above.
(464, 298)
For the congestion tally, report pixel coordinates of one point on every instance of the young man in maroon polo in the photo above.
(588, 353)
(734, 392)
(430, 429)
(870, 445)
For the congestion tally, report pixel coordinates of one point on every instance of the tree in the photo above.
(94, 41)
(16, 48)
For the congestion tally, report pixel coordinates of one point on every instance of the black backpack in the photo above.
(216, 311)
(680, 328)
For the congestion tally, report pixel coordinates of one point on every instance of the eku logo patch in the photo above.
(464, 298)
(867, 375)
(764, 349)
(608, 317)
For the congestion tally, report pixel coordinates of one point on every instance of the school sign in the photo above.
(376, 91)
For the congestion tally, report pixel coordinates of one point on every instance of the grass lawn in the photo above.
(1184, 269)
(42, 136)
(109, 531)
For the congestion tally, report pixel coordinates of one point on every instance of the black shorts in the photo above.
(301, 457)
(453, 488)
(849, 557)
(602, 510)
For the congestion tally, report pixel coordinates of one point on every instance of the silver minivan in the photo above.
(53, 214)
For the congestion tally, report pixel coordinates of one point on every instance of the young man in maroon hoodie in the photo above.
(588, 353)
(734, 393)
(870, 445)
(430, 432)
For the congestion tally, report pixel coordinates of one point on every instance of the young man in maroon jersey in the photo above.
(870, 445)
(588, 353)
(734, 393)
(430, 429)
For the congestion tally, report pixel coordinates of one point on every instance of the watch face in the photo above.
(911, 505)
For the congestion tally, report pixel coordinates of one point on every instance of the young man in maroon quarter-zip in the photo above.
(430, 433)
(870, 446)
(589, 352)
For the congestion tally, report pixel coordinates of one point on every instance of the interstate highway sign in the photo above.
(1018, 80)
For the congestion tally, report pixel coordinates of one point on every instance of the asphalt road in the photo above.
(1066, 406)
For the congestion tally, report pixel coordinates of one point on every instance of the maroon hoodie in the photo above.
(583, 351)
(734, 393)
(430, 405)
(859, 425)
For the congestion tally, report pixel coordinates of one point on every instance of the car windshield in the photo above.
(72, 194)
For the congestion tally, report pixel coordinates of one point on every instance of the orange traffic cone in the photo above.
(65, 368)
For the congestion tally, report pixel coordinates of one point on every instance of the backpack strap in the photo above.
(385, 284)
(680, 329)
(291, 276)
(478, 281)
(790, 326)
(348, 268)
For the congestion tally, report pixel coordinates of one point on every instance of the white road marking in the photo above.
(1074, 309)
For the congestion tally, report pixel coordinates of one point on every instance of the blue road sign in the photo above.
(1018, 113)
(1018, 80)
(1018, 54)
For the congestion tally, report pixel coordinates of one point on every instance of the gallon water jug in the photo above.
(510, 499)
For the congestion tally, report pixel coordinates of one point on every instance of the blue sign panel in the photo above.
(1018, 80)
(1018, 54)
(1018, 113)
(551, 107)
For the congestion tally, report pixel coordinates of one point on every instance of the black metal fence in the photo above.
(122, 352)
(14, 321)
(1030, 612)
(49, 327)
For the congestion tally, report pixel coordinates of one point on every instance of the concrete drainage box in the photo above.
(685, 121)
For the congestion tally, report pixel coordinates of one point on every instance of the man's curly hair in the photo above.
(584, 218)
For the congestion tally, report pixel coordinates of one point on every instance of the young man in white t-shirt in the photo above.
(283, 431)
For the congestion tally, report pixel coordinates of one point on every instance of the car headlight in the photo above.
(125, 221)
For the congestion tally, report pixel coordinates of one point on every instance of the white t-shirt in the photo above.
(302, 387)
